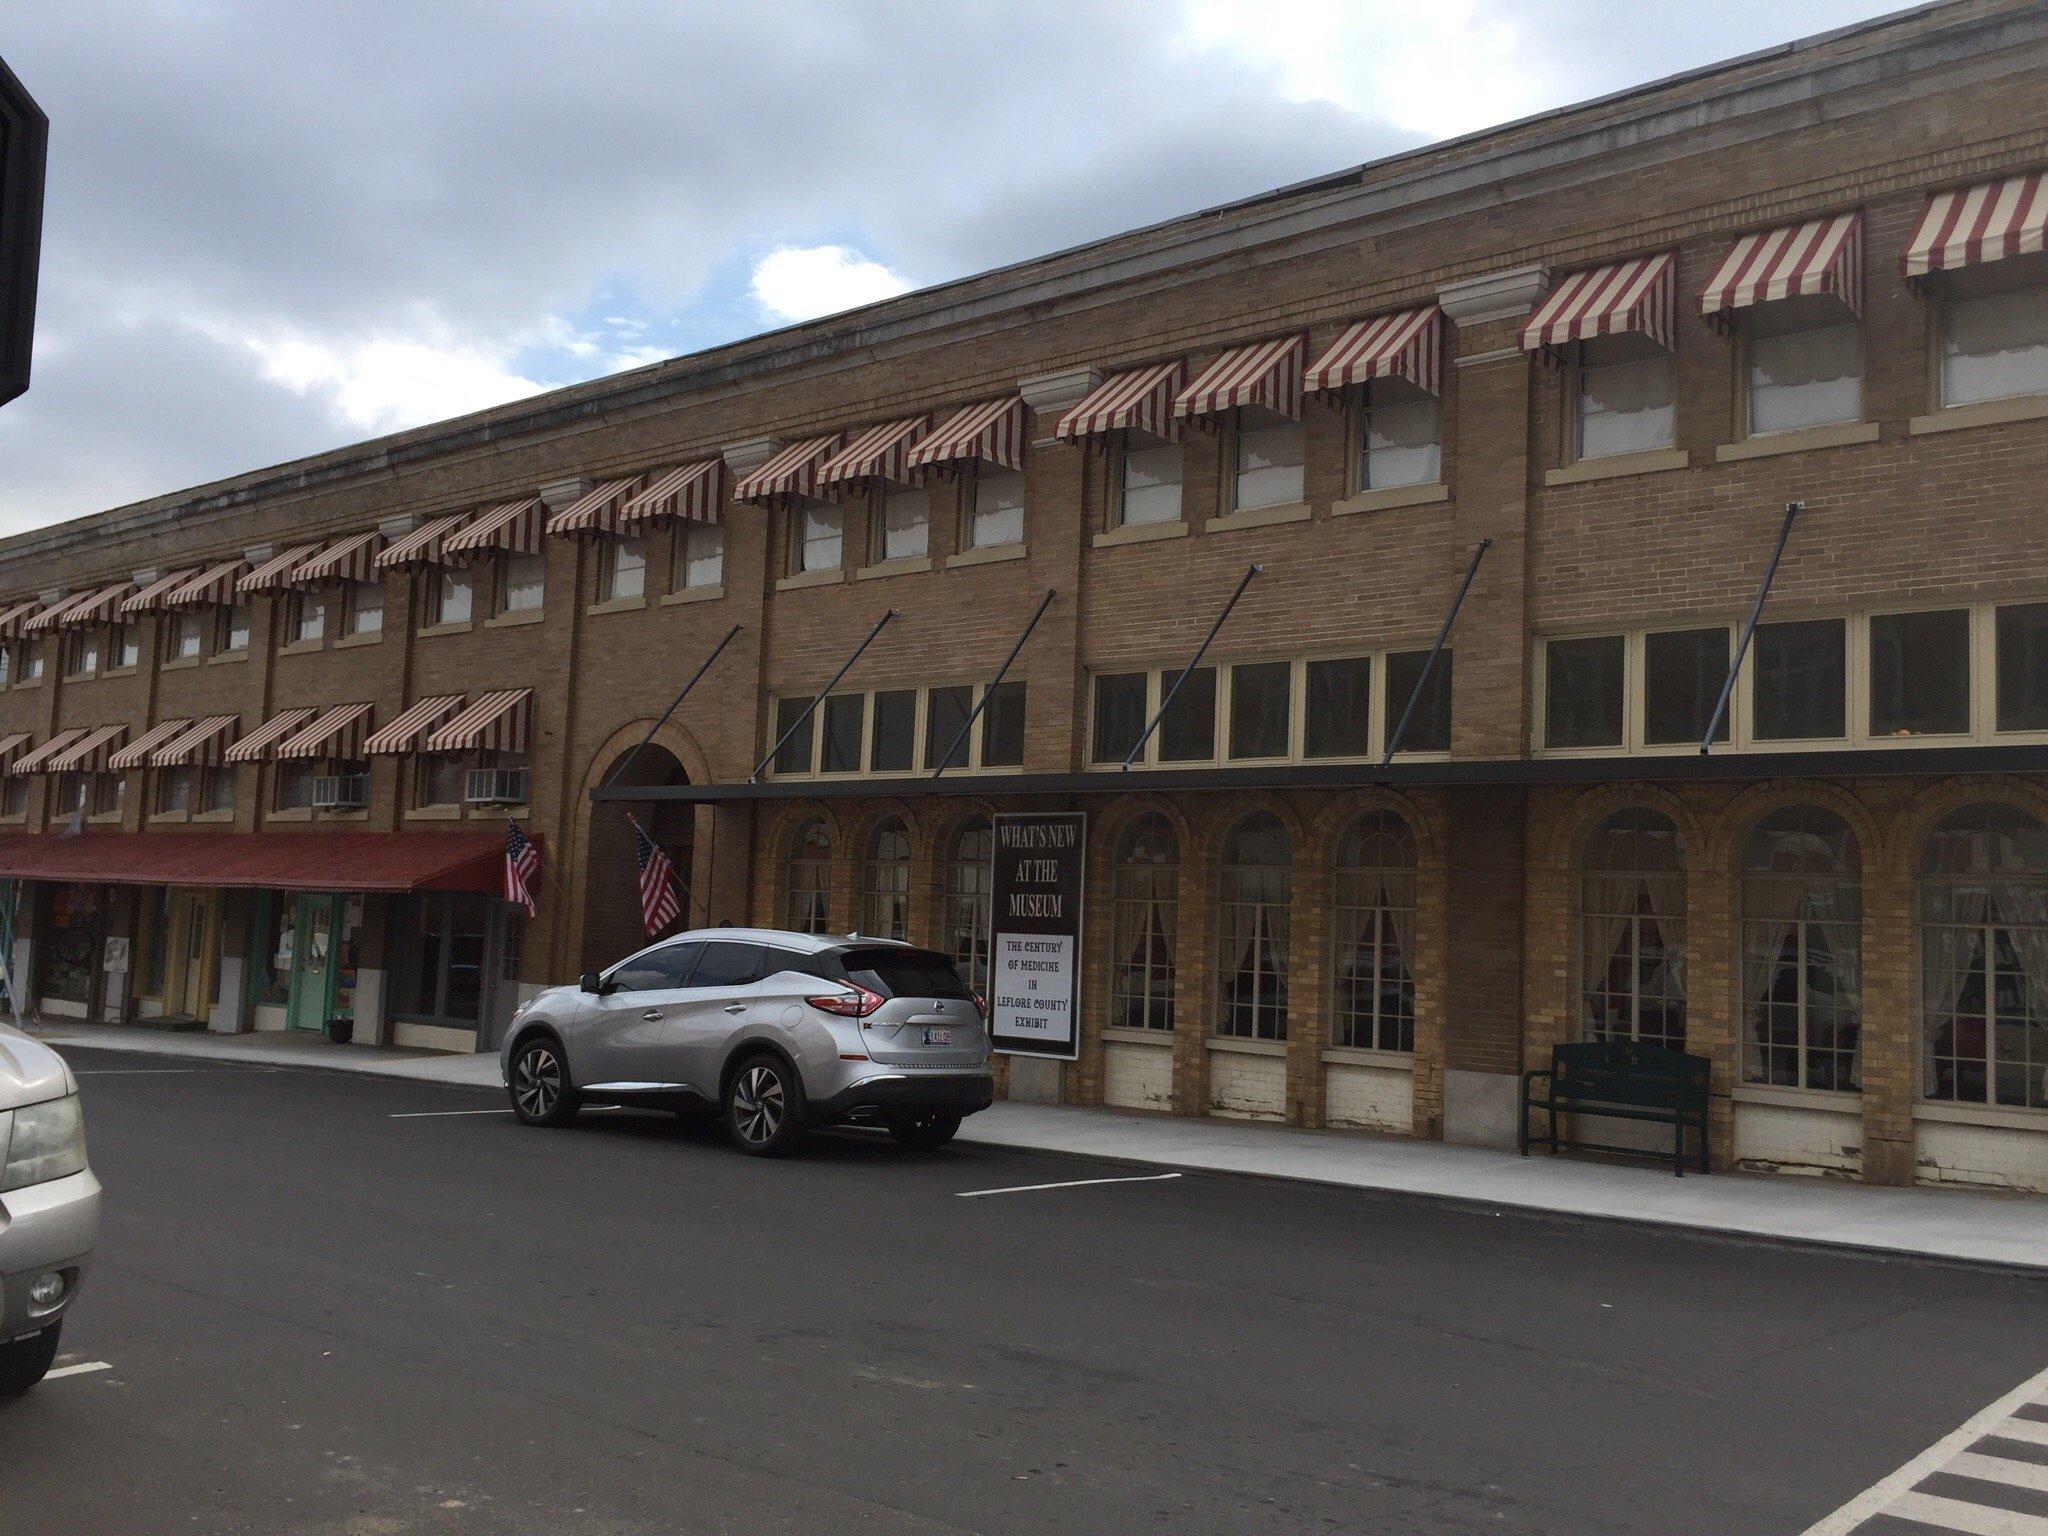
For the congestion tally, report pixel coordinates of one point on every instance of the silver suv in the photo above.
(779, 1032)
(49, 1206)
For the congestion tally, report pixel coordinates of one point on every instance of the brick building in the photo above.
(285, 718)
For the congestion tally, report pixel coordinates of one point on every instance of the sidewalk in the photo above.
(2009, 1230)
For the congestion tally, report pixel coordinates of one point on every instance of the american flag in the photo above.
(659, 903)
(522, 866)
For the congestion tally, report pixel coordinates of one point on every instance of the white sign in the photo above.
(1035, 943)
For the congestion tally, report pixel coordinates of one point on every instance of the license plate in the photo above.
(937, 1035)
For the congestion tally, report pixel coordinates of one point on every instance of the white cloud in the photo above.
(386, 384)
(804, 282)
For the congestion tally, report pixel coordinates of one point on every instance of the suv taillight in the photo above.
(980, 1005)
(857, 1003)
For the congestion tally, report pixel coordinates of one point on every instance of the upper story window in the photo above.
(31, 656)
(305, 618)
(995, 512)
(817, 531)
(521, 581)
(1268, 455)
(903, 522)
(622, 569)
(231, 635)
(1148, 474)
(82, 653)
(1994, 331)
(699, 556)
(6, 664)
(450, 597)
(292, 781)
(124, 646)
(438, 778)
(1400, 435)
(362, 608)
(185, 636)
(1805, 364)
(894, 730)
(1624, 394)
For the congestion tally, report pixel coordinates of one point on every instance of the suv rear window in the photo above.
(897, 972)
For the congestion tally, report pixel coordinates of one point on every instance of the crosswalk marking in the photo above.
(1962, 1454)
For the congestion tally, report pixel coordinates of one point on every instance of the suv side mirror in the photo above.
(592, 983)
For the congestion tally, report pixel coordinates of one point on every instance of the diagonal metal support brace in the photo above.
(1193, 662)
(819, 697)
(995, 682)
(1429, 664)
(1792, 510)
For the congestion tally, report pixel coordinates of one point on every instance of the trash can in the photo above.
(341, 1028)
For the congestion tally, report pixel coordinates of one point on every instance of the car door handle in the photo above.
(652, 1016)
(735, 1007)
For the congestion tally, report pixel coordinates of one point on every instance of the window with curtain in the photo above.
(1984, 959)
(1144, 924)
(970, 869)
(1372, 1005)
(810, 878)
(1802, 952)
(1632, 931)
(885, 882)
(1252, 922)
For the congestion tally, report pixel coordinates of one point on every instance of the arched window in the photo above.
(810, 878)
(1632, 931)
(970, 862)
(1252, 929)
(886, 911)
(1144, 922)
(1802, 951)
(1984, 958)
(1372, 1006)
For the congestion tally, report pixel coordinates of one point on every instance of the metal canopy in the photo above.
(1676, 768)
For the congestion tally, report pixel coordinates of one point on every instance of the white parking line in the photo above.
(1026, 1189)
(84, 1368)
(1896, 1495)
(143, 1071)
(443, 1114)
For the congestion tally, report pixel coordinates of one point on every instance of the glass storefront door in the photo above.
(76, 921)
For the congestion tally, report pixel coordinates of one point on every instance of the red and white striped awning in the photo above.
(876, 454)
(595, 511)
(15, 615)
(1266, 373)
(407, 733)
(496, 722)
(259, 743)
(1977, 224)
(37, 759)
(1141, 399)
(992, 432)
(214, 586)
(350, 559)
(10, 747)
(275, 574)
(98, 606)
(47, 615)
(1630, 296)
(691, 492)
(336, 731)
(138, 751)
(792, 472)
(1819, 256)
(423, 545)
(512, 527)
(157, 594)
(1408, 345)
(205, 742)
(90, 752)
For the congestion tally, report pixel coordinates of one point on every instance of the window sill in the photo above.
(1997, 1115)
(353, 642)
(180, 664)
(297, 813)
(910, 565)
(32, 682)
(228, 656)
(336, 815)
(1232, 1046)
(1841, 434)
(434, 813)
(1981, 413)
(1158, 1037)
(1258, 517)
(121, 671)
(498, 812)
(429, 631)
(516, 619)
(1655, 462)
(618, 605)
(20, 820)
(169, 818)
(804, 579)
(302, 648)
(994, 555)
(214, 816)
(1140, 533)
(1798, 1098)
(1385, 500)
(693, 595)
(1359, 1056)
(104, 821)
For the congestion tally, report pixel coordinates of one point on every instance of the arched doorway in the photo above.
(612, 925)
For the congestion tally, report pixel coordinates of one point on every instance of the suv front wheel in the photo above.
(539, 1083)
(764, 1107)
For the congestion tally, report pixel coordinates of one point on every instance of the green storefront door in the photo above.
(316, 955)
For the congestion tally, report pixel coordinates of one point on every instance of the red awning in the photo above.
(1407, 345)
(993, 432)
(1266, 373)
(291, 861)
(1638, 296)
(1977, 224)
(1819, 256)
(1142, 398)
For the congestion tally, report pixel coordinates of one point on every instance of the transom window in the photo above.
(1144, 924)
(1802, 952)
(1148, 480)
(1624, 396)
(1994, 331)
(1268, 455)
(894, 730)
(1632, 931)
(1325, 708)
(1372, 1003)
(1400, 435)
(1253, 929)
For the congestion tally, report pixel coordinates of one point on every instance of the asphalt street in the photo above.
(339, 1304)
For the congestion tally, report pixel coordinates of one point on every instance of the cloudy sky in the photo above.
(276, 226)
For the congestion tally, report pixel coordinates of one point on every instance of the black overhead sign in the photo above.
(1034, 959)
(24, 142)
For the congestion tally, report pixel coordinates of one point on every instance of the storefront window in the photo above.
(969, 871)
(810, 878)
(1632, 932)
(886, 882)
(1802, 952)
(439, 941)
(1373, 1007)
(71, 956)
(1144, 925)
(276, 947)
(1252, 928)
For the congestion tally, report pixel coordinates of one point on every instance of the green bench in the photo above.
(1622, 1081)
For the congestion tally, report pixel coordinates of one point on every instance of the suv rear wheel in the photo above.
(764, 1107)
(924, 1133)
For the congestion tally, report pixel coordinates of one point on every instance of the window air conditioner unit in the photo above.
(341, 791)
(495, 786)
